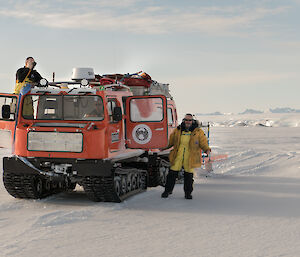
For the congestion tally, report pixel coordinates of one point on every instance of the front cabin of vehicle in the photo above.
(69, 123)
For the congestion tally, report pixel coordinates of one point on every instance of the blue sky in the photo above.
(217, 55)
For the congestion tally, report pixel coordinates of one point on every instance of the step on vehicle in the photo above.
(101, 132)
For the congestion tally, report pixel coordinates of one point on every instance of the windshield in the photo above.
(63, 107)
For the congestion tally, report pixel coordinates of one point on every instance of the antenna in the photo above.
(53, 76)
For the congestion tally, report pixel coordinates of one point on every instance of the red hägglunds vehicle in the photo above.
(101, 132)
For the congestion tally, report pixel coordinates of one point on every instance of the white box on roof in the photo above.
(83, 73)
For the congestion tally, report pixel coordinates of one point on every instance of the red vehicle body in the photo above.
(101, 137)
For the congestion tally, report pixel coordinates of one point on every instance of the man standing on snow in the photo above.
(187, 141)
(27, 74)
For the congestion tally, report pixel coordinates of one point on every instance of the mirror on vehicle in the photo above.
(5, 111)
(117, 113)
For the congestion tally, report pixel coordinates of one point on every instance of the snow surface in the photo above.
(251, 120)
(249, 206)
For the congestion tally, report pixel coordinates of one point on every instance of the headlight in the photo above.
(84, 82)
(43, 82)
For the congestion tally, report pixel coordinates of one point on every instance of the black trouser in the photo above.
(188, 182)
(171, 180)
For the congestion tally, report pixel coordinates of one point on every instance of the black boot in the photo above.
(188, 185)
(165, 194)
(170, 183)
(188, 196)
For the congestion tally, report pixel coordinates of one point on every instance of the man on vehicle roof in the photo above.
(27, 74)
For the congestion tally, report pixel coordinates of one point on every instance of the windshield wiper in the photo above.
(71, 90)
(43, 92)
(83, 92)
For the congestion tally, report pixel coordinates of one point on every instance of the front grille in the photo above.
(55, 141)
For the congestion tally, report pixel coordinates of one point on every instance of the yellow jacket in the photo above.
(197, 142)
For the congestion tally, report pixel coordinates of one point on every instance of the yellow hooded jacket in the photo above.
(197, 142)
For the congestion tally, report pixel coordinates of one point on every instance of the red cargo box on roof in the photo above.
(131, 82)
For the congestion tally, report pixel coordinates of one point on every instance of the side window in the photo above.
(8, 107)
(146, 109)
(111, 104)
(170, 117)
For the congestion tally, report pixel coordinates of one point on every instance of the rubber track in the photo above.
(23, 186)
(154, 177)
(102, 189)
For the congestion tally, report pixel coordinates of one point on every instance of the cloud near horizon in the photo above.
(129, 16)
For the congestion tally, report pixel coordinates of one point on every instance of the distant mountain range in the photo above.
(252, 111)
(284, 110)
(208, 114)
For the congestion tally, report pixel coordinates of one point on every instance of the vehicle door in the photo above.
(114, 126)
(146, 122)
(8, 109)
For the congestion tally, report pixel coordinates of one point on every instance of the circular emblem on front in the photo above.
(141, 134)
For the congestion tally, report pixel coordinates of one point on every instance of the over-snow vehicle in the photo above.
(101, 132)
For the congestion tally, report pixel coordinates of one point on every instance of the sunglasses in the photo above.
(187, 120)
